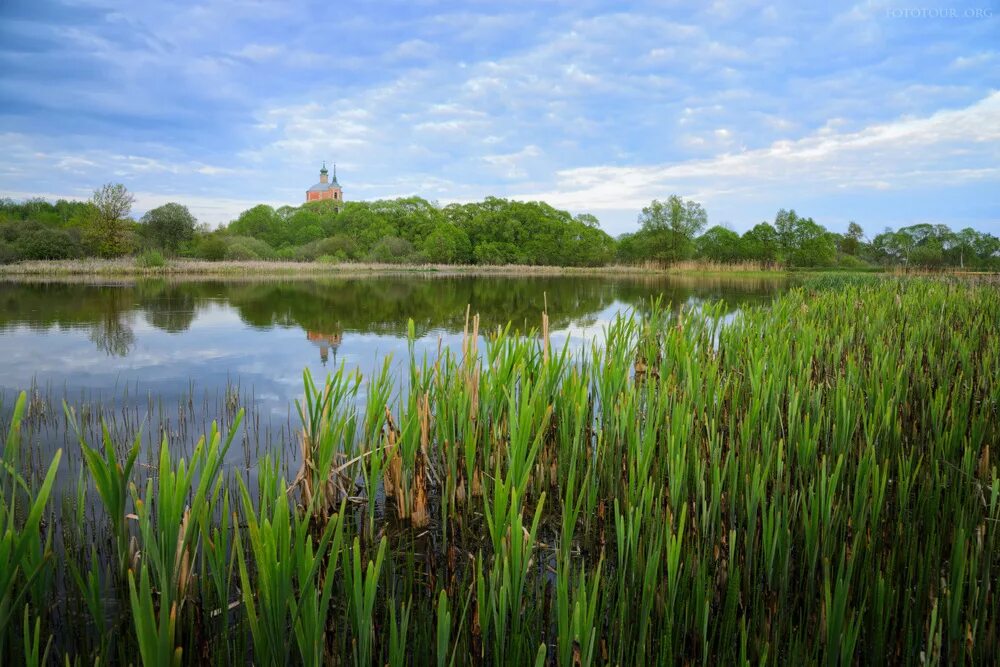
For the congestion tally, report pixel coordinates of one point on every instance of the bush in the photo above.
(329, 259)
(7, 253)
(47, 243)
(340, 246)
(151, 259)
(851, 262)
(245, 248)
(211, 247)
(392, 250)
(240, 251)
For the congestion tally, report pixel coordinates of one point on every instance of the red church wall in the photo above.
(329, 194)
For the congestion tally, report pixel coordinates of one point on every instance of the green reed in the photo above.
(811, 482)
(25, 546)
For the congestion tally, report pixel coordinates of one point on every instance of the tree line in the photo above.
(493, 231)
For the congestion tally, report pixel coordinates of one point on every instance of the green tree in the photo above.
(672, 225)
(685, 217)
(263, 223)
(447, 244)
(629, 248)
(813, 246)
(929, 254)
(784, 227)
(496, 253)
(108, 231)
(851, 242)
(760, 244)
(719, 244)
(169, 226)
(986, 248)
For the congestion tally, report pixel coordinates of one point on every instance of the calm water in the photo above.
(152, 352)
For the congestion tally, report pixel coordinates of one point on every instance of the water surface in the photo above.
(179, 350)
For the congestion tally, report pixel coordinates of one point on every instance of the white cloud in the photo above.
(978, 60)
(511, 165)
(900, 154)
(728, 100)
(260, 52)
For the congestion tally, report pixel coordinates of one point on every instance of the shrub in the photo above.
(151, 259)
(247, 248)
(7, 253)
(211, 247)
(391, 250)
(47, 243)
(240, 251)
(341, 246)
(851, 262)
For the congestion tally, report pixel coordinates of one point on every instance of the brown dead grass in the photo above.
(189, 267)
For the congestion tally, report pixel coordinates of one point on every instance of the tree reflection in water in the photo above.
(328, 309)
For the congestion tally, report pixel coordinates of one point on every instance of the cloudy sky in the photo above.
(884, 113)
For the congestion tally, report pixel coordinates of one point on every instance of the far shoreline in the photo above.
(192, 268)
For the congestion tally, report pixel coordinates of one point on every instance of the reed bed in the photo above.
(708, 266)
(812, 482)
(128, 266)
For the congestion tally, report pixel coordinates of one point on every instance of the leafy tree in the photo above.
(169, 226)
(590, 247)
(719, 244)
(760, 244)
(260, 222)
(497, 253)
(929, 254)
(501, 231)
(630, 248)
(108, 231)
(784, 226)
(850, 243)
(987, 251)
(813, 245)
(672, 225)
(447, 244)
(588, 219)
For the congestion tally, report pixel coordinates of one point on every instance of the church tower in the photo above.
(326, 188)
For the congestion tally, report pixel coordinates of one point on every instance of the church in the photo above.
(326, 188)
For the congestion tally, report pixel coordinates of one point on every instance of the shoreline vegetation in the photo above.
(813, 482)
(418, 235)
(134, 267)
(129, 266)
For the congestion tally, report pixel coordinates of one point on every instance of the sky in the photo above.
(885, 113)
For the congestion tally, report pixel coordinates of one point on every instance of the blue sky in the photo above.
(884, 113)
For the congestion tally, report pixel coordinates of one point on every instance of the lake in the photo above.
(172, 355)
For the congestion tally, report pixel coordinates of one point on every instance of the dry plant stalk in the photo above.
(545, 338)
(420, 514)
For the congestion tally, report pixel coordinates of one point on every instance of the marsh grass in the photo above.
(149, 265)
(810, 482)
